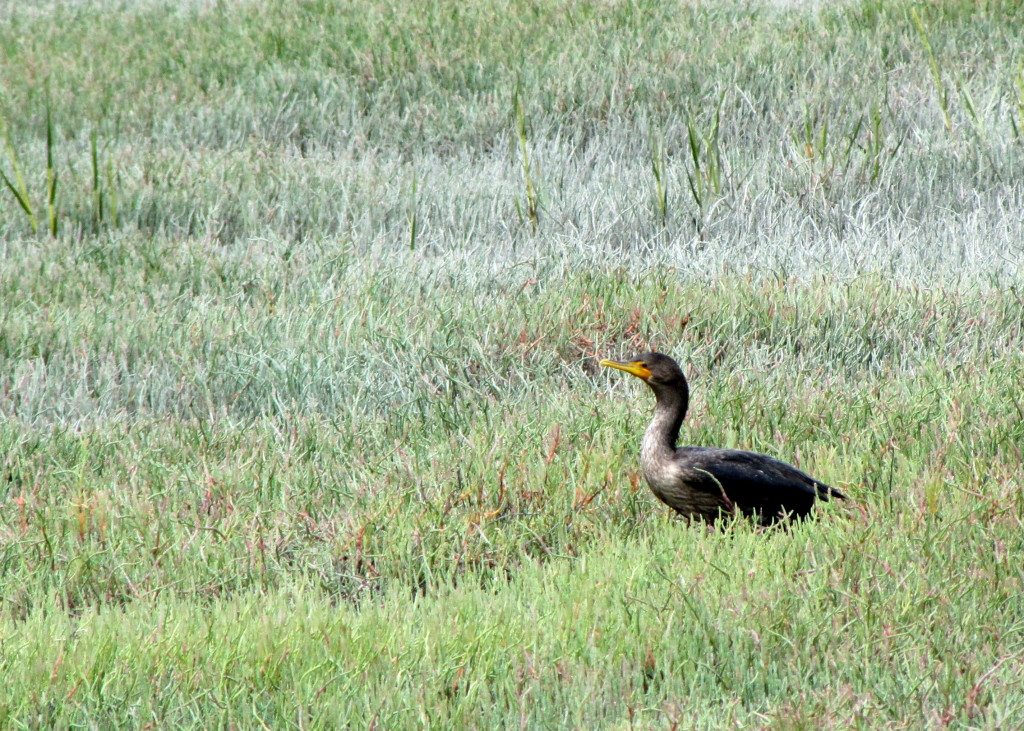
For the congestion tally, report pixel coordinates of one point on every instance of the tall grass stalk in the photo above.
(706, 177)
(815, 141)
(17, 186)
(413, 212)
(51, 174)
(876, 141)
(941, 92)
(1017, 107)
(977, 120)
(16, 181)
(530, 192)
(104, 187)
(657, 153)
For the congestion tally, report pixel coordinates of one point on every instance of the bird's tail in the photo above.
(825, 492)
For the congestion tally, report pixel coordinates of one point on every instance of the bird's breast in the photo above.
(675, 485)
(661, 471)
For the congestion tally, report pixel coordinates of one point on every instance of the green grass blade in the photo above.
(17, 187)
(51, 175)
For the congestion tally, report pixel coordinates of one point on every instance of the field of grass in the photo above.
(300, 419)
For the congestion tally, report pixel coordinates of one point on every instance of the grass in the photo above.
(302, 424)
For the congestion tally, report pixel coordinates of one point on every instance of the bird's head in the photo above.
(655, 369)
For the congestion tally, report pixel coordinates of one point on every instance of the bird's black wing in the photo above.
(755, 483)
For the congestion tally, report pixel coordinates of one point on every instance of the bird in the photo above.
(708, 483)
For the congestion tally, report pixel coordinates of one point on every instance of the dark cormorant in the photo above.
(707, 482)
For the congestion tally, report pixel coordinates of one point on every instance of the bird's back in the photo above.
(709, 481)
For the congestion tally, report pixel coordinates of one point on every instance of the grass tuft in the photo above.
(16, 182)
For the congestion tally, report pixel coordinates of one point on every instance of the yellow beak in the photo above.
(636, 368)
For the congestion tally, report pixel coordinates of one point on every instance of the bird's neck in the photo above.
(663, 431)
